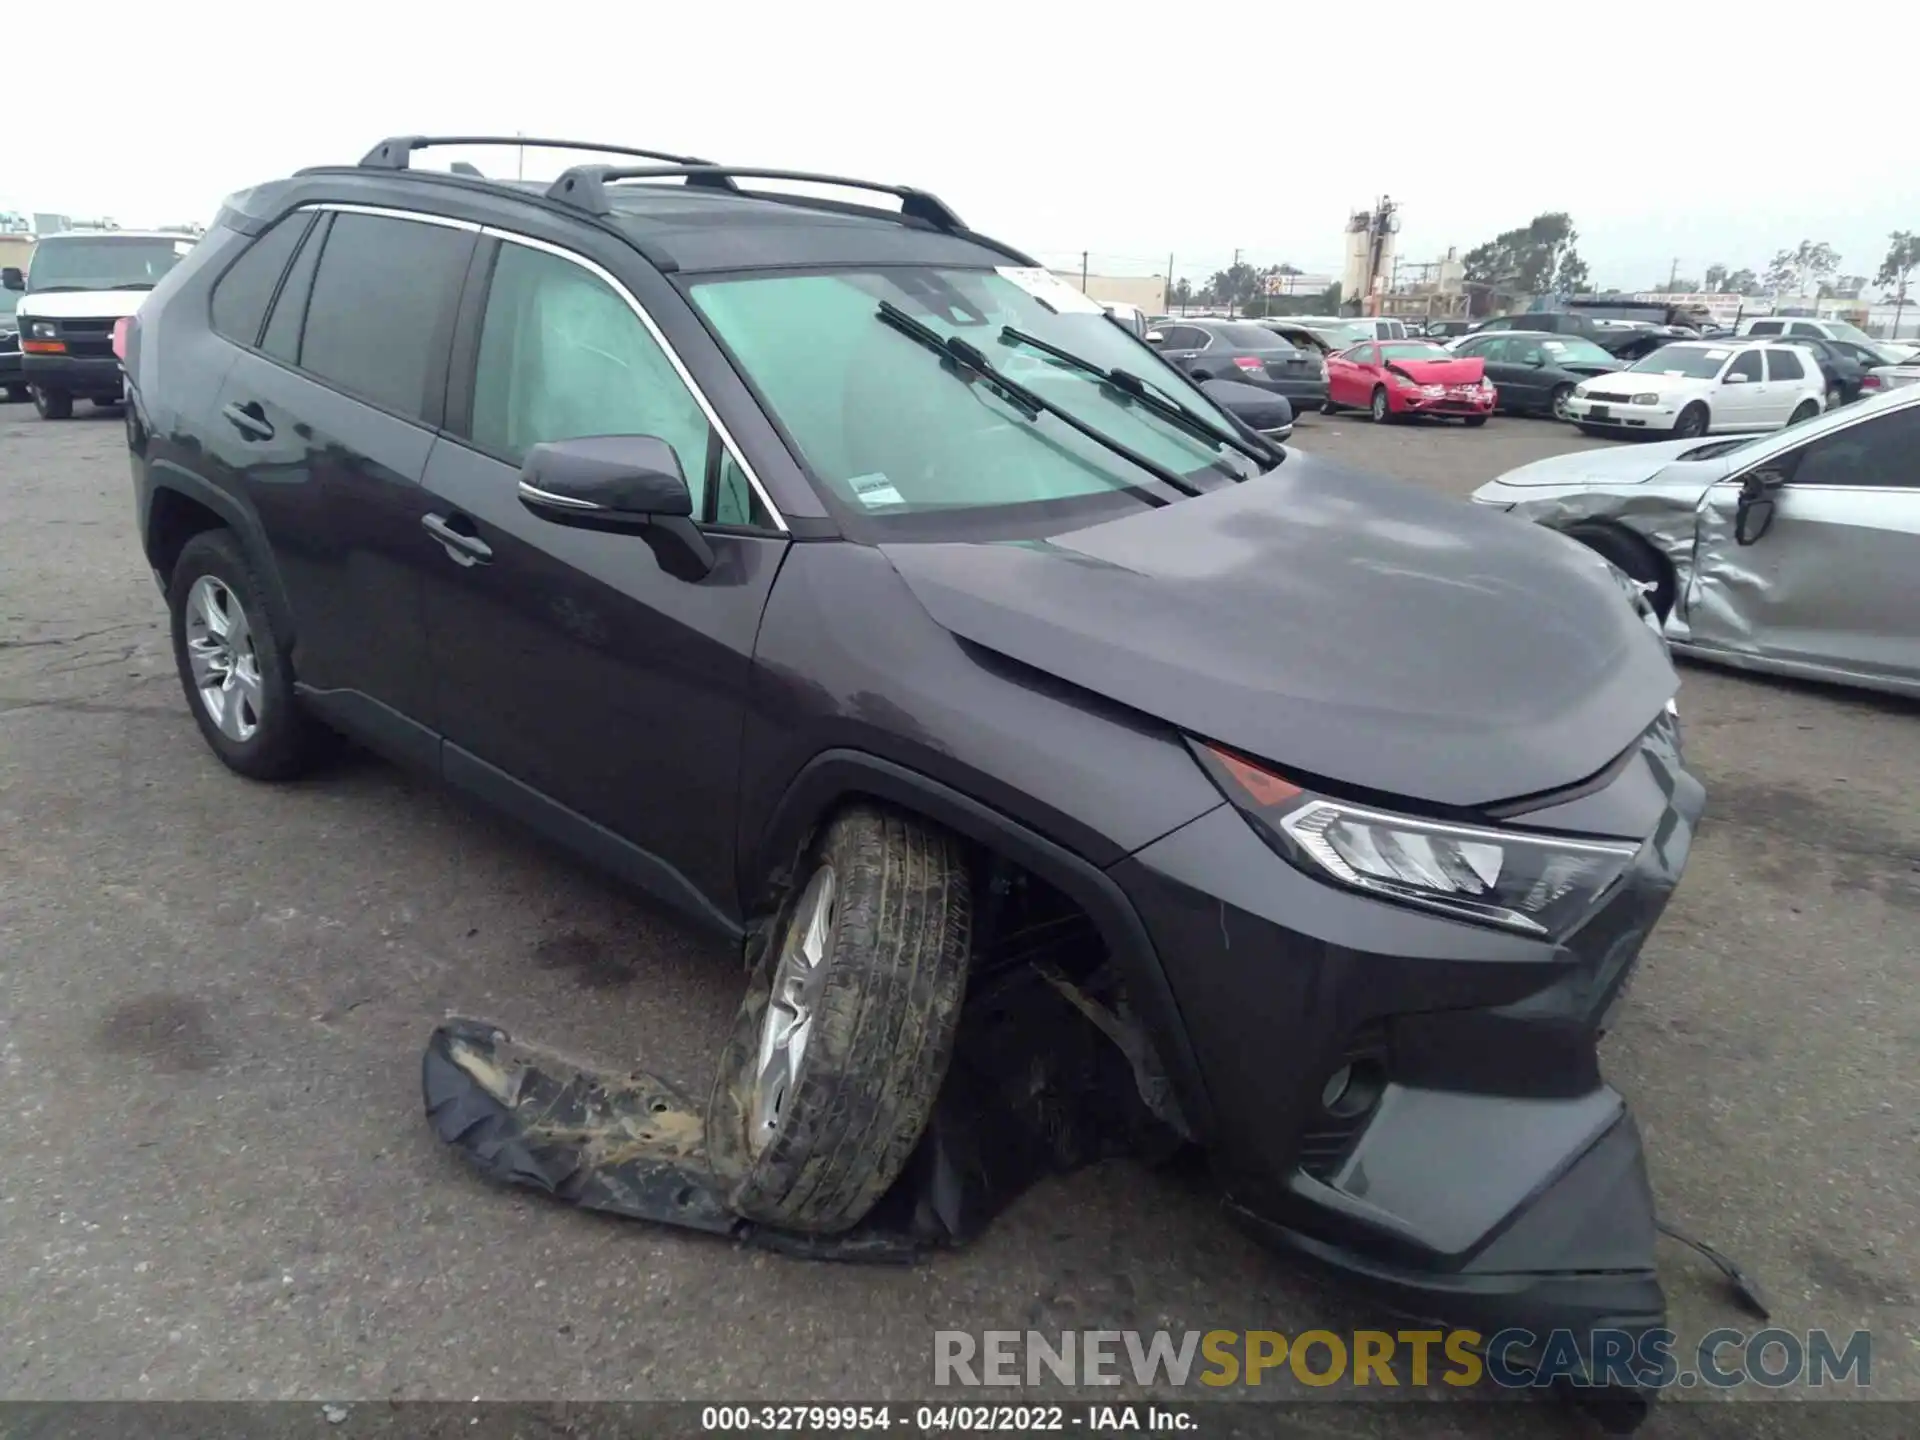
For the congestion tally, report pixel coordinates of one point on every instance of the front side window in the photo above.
(889, 429)
(103, 262)
(1784, 365)
(1746, 366)
(381, 310)
(1878, 452)
(1767, 327)
(563, 355)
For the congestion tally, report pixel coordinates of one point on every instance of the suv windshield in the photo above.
(887, 434)
(1694, 362)
(103, 262)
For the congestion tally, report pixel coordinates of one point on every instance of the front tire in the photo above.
(52, 404)
(1378, 410)
(236, 676)
(1557, 402)
(1474, 422)
(841, 1045)
(1691, 422)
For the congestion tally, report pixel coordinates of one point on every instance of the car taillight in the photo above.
(122, 330)
(1249, 364)
(1869, 382)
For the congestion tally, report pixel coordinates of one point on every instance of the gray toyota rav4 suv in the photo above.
(840, 576)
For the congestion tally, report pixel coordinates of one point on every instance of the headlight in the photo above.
(1581, 391)
(1541, 885)
(44, 330)
(1648, 398)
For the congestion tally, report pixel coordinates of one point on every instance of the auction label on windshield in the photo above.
(1049, 289)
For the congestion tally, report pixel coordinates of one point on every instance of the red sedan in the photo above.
(1390, 378)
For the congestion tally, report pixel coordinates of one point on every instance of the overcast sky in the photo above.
(1130, 131)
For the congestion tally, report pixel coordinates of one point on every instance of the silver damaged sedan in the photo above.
(1795, 552)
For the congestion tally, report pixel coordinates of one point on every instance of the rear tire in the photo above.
(1803, 412)
(1692, 422)
(1327, 407)
(809, 1138)
(1378, 409)
(52, 404)
(273, 739)
(1836, 397)
(1635, 556)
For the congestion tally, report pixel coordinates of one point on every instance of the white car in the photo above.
(1694, 387)
(1892, 377)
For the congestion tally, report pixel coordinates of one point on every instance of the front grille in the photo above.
(1325, 1141)
(1607, 397)
(86, 327)
(90, 349)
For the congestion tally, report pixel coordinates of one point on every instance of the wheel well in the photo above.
(1612, 539)
(174, 520)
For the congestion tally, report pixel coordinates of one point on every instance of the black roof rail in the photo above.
(584, 187)
(395, 151)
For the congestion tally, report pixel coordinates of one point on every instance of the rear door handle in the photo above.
(249, 418)
(463, 548)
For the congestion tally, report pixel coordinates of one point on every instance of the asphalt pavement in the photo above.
(216, 1181)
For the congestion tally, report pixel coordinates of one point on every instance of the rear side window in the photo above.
(1800, 327)
(1784, 365)
(241, 296)
(1766, 327)
(282, 340)
(381, 312)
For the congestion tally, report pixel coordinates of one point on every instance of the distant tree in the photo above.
(1679, 285)
(1801, 270)
(1741, 282)
(1902, 256)
(1571, 278)
(1182, 294)
(1530, 259)
(1843, 287)
(1331, 299)
(1288, 270)
(1714, 282)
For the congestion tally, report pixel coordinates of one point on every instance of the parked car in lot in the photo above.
(1444, 330)
(1624, 339)
(13, 375)
(1893, 376)
(1247, 352)
(1323, 339)
(1392, 379)
(1535, 373)
(1794, 552)
(1697, 387)
(1796, 326)
(845, 579)
(1367, 327)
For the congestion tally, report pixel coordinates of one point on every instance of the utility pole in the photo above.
(520, 162)
(1169, 300)
(1673, 275)
(1230, 277)
(1083, 272)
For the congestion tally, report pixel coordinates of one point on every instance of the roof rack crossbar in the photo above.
(395, 151)
(584, 186)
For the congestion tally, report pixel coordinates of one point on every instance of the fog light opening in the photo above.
(1353, 1089)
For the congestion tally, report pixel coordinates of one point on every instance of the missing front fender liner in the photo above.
(1034, 1089)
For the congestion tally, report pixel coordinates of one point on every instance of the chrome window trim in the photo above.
(495, 232)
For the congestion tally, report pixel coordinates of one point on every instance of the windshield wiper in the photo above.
(1167, 408)
(133, 285)
(966, 357)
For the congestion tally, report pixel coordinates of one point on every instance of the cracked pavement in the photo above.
(217, 1182)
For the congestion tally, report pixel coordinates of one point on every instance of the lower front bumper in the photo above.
(1625, 418)
(82, 375)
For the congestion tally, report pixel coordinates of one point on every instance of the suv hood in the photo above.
(1338, 625)
(83, 304)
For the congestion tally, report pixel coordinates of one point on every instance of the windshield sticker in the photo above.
(1718, 354)
(182, 247)
(875, 490)
(1049, 289)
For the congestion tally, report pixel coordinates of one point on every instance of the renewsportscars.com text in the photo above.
(1508, 1359)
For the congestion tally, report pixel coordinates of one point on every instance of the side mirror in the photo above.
(13, 278)
(1734, 380)
(624, 484)
(1154, 337)
(1753, 517)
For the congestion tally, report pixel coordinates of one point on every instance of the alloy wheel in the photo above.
(798, 979)
(1379, 406)
(1560, 398)
(226, 669)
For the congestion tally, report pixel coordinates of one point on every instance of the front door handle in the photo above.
(249, 418)
(464, 548)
